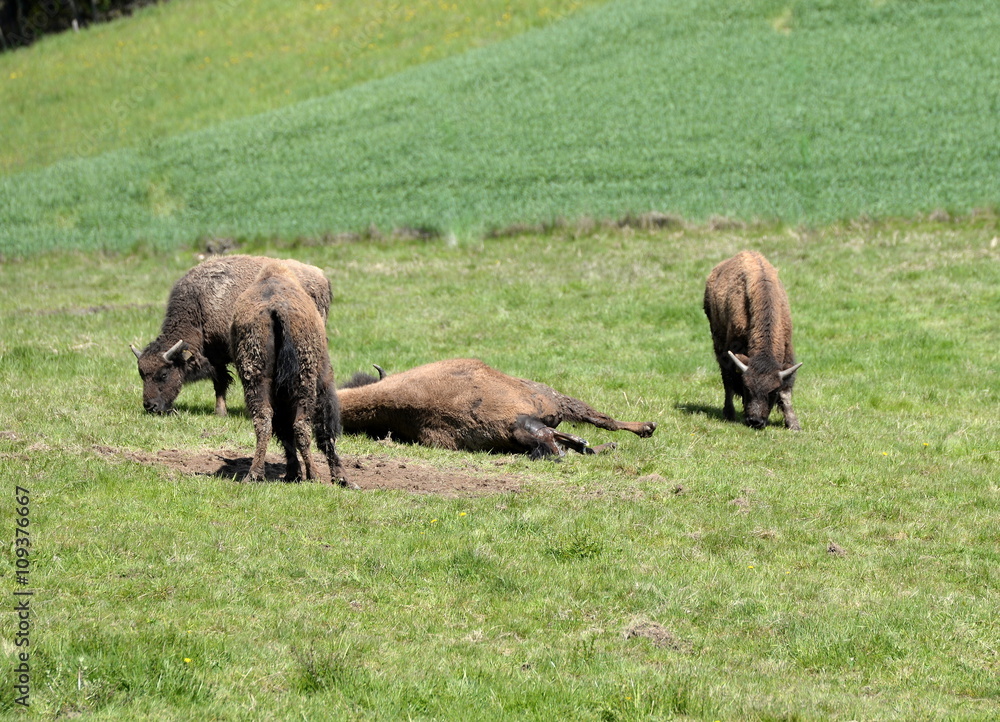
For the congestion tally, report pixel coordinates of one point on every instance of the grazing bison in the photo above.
(194, 340)
(279, 348)
(465, 404)
(751, 323)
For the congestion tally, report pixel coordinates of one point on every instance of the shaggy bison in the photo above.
(465, 404)
(194, 340)
(279, 347)
(751, 323)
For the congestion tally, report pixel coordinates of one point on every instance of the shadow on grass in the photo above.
(712, 412)
(237, 469)
(202, 410)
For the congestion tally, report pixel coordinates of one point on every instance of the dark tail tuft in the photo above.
(286, 367)
(327, 425)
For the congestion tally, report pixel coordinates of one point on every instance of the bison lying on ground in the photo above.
(751, 323)
(194, 340)
(279, 347)
(465, 404)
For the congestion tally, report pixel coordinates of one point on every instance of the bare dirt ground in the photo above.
(368, 472)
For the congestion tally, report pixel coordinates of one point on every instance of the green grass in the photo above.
(806, 112)
(185, 65)
(306, 600)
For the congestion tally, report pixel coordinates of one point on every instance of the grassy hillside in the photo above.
(711, 572)
(808, 112)
(186, 65)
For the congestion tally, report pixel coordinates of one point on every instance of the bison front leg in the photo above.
(730, 387)
(293, 471)
(220, 381)
(785, 404)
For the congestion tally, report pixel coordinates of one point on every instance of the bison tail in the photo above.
(327, 424)
(287, 368)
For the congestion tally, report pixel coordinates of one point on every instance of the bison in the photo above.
(751, 323)
(278, 341)
(194, 340)
(465, 404)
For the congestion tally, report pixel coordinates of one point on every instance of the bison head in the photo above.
(762, 379)
(163, 373)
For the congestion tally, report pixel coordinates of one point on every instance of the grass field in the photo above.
(813, 112)
(711, 572)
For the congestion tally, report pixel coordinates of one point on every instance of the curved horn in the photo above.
(788, 372)
(137, 352)
(739, 364)
(169, 354)
(381, 372)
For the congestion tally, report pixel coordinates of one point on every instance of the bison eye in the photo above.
(161, 376)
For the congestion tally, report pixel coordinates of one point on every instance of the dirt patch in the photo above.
(368, 472)
(659, 635)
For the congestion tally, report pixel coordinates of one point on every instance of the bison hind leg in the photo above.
(543, 441)
(303, 437)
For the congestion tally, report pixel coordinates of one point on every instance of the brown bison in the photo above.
(279, 348)
(194, 340)
(464, 404)
(751, 323)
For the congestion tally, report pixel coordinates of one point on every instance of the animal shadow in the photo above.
(204, 410)
(713, 412)
(237, 469)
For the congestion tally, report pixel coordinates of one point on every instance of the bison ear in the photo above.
(741, 365)
(137, 352)
(171, 353)
(789, 371)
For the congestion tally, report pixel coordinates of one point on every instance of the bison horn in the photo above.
(381, 372)
(788, 372)
(137, 352)
(739, 364)
(171, 352)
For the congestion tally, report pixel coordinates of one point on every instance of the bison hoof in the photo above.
(343, 482)
(647, 429)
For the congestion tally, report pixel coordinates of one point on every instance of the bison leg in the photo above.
(543, 440)
(575, 410)
(327, 426)
(293, 471)
(220, 380)
(302, 439)
(785, 404)
(728, 410)
(536, 437)
(262, 428)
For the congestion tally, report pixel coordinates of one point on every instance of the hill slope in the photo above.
(699, 108)
(187, 65)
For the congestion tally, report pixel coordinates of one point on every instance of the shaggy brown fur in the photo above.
(751, 323)
(194, 340)
(465, 404)
(279, 347)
